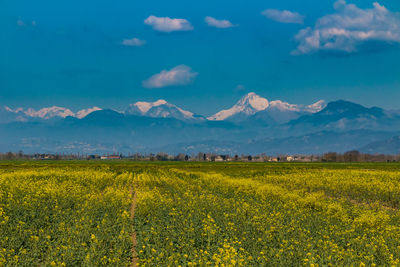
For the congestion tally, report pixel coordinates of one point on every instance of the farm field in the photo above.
(199, 214)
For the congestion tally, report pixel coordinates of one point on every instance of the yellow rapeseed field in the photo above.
(64, 216)
(192, 214)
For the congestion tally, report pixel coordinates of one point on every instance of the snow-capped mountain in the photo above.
(283, 112)
(344, 115)
(248, 105)
(316, 107)
(84, 112)
(259, 108)
(21, 114)
(49, 113)
(159, 109)
(284, 106)
(274, 127)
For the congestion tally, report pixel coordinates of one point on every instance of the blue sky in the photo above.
(72, 53)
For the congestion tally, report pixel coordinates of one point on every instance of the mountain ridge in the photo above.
(279, 111)
(338, 126)
(247, 106)
(159, 109)
(47, 112)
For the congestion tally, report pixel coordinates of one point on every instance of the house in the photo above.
(289, 158)
(219, 159)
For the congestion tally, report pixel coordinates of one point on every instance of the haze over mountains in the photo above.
(252, 125)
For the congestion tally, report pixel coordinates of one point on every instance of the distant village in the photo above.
(350, 156)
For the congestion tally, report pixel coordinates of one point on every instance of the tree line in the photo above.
(356, 156)
(350, 156)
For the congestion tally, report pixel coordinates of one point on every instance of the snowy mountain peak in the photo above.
(252, 100)
(145, 106)
(12, 110)
(48, 113)
(158, 109)
(317, 106)
(84, 112)
(249, 104)
(284, 106)
(252, 104)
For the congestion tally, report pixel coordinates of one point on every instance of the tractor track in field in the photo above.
(135, 258)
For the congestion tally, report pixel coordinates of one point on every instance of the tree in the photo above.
(9, 155)
(351, 156)
(162, 156)
(330, 156)
(180, 157)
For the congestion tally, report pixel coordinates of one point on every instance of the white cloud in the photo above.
(348, 28)
(240, 88)
(133, 42)
(177, 76)
(166, 24)
(20, 22)
(284, 16)
(222, 24)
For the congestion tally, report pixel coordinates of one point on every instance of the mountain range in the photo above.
(8, 115)
(249, 105)
(252, 125)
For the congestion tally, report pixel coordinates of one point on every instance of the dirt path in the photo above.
(135, 258)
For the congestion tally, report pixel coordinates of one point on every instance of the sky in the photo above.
(200, 55)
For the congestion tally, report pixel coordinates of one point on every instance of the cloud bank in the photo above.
(221, 24)
(133, 42)
(349, 28)
(283, 16)
(22, 23)
(177, 76)
(166, 24)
